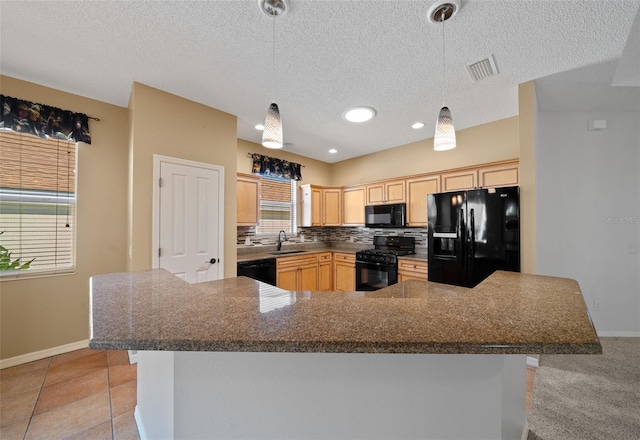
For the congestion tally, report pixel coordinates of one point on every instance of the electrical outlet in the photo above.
(596, 306)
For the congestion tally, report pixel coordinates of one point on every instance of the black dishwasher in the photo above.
(262, 270)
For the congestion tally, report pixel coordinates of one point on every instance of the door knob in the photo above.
(212, 261)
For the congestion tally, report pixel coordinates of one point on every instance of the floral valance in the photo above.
(43, 121)
(270, 166)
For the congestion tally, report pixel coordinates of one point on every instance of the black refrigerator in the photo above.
(472, 234)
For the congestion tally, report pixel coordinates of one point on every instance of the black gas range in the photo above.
(377, 268)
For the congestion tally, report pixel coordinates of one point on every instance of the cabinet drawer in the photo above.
(351, 258)
(325, 256)
(296, 261)
(412, 266)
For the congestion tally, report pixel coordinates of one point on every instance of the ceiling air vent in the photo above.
(482, 69)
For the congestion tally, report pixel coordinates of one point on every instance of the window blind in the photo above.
(37, 202)
(277, 205)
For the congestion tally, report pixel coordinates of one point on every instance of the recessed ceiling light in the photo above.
(333, 151)
(259, 127)
(417, 125)
(359, 114)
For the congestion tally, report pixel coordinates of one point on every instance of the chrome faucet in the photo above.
(280, 241)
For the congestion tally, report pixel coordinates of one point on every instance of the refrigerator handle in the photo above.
(472, 246)
(460, 240)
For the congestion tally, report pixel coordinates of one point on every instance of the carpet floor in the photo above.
(583, 397)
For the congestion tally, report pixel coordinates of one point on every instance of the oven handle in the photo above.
(371, 263)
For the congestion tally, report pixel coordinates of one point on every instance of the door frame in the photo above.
(155, 227)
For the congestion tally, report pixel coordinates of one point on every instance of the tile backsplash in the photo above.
(333, 234)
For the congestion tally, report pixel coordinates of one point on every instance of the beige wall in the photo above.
(314, 171)
(528, 110)
(485, 143)
(169, 125)
(38, 314)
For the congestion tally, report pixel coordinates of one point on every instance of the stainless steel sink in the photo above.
(286, 252)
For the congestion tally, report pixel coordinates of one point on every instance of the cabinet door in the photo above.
(332, 207)
(460, 180)
(394, 191)
(375, 194)
(345, 275)
(417, 190)
(247, 191)
(325, 280)
(344, 271)
(308, 277)
(353, 202)
(316, 206)
(287, 279)
(499, 175)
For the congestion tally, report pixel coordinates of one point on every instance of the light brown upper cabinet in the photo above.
(390, 191)
(503, 174)
(417, 190)
(247, 191)
(321, 206)
(331, 206)
(460, 180)
(353, 202)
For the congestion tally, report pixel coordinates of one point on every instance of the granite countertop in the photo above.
(507, 313)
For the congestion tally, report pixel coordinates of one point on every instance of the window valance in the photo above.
(43, 120)
(271, 166)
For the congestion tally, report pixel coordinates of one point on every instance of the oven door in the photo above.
(374, 276)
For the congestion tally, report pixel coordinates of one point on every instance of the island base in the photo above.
(221, 395)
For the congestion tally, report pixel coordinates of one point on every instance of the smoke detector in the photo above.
(443, 10)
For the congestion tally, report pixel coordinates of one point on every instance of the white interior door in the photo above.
(190, 223)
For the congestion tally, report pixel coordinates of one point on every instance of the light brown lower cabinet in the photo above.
(409, 269)
(325, 271)
(344, 271)
(297, 273)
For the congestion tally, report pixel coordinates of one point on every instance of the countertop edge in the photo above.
(344, 347)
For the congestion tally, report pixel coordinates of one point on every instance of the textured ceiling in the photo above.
(330, 55)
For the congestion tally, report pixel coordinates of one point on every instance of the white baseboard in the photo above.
(136, 417)
(42, 354)
(525, 431)
(619, 334)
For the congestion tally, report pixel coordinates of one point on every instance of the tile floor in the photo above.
(83, 394)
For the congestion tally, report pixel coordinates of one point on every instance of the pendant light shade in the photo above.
(445, 137)
(272, 134)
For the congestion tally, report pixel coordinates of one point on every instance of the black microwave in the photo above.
(385, 216)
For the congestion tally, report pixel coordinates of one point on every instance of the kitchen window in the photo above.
(37, 204)
(277, 205)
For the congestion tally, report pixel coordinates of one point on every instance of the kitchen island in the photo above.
(237, 358)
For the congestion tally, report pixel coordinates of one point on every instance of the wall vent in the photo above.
(482, 69)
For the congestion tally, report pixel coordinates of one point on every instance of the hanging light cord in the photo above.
(273, 59)
(444, 77)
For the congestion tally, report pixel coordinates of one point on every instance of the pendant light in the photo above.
(272, 134)
(445, 135)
